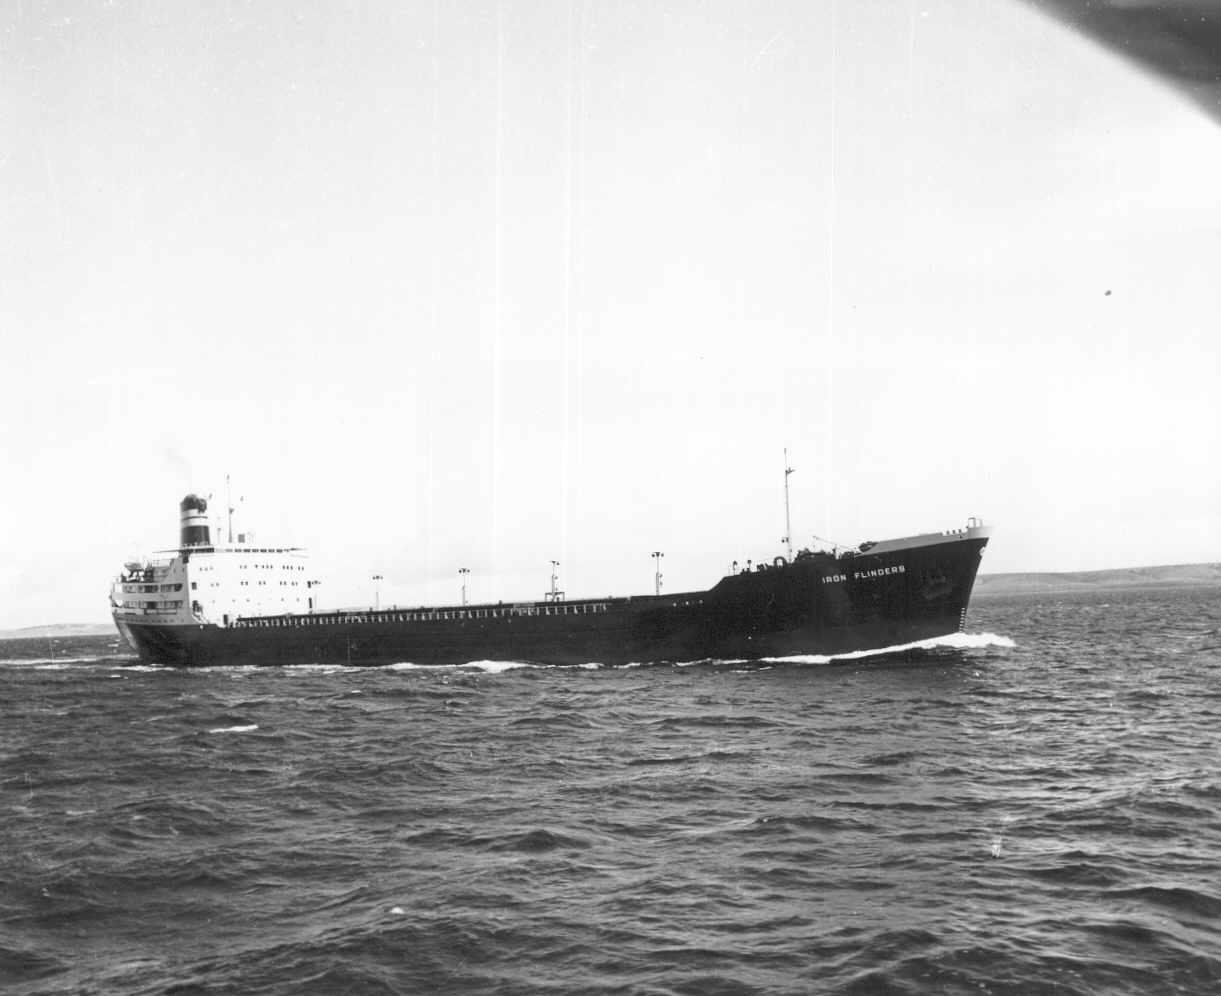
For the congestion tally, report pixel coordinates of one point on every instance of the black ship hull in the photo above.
(818, 604)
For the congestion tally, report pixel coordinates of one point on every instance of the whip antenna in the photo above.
(788, 527)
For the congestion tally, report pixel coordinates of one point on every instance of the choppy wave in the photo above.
(1044, 819)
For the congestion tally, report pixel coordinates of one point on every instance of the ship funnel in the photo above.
(194, 517)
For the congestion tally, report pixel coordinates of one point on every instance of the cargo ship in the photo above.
(238, 602)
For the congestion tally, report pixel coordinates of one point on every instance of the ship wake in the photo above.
(952, 641)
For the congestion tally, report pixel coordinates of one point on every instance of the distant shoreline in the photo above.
(1168, 576)
(59, 631)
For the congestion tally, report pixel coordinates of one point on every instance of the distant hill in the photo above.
(60, 630)
(1123, 577)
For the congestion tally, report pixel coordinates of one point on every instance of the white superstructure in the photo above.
(203, 583)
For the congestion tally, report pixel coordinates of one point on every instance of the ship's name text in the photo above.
(867, 575)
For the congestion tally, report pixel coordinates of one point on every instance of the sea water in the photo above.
(1034, 806)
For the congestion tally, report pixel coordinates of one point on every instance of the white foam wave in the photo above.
(52, 663)
(951, 640)
(958, 641)
(411, 666)
(497, 667)
(235, 729)
(488, 667)
(322, 668)
(973, 640)
(229, 668)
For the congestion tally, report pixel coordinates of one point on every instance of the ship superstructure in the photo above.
(206, 583)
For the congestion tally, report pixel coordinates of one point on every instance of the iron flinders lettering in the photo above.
(876, 572)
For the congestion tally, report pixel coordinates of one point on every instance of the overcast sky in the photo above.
(468, 285)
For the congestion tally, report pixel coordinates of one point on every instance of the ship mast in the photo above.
(788, 528)
(229, 503)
